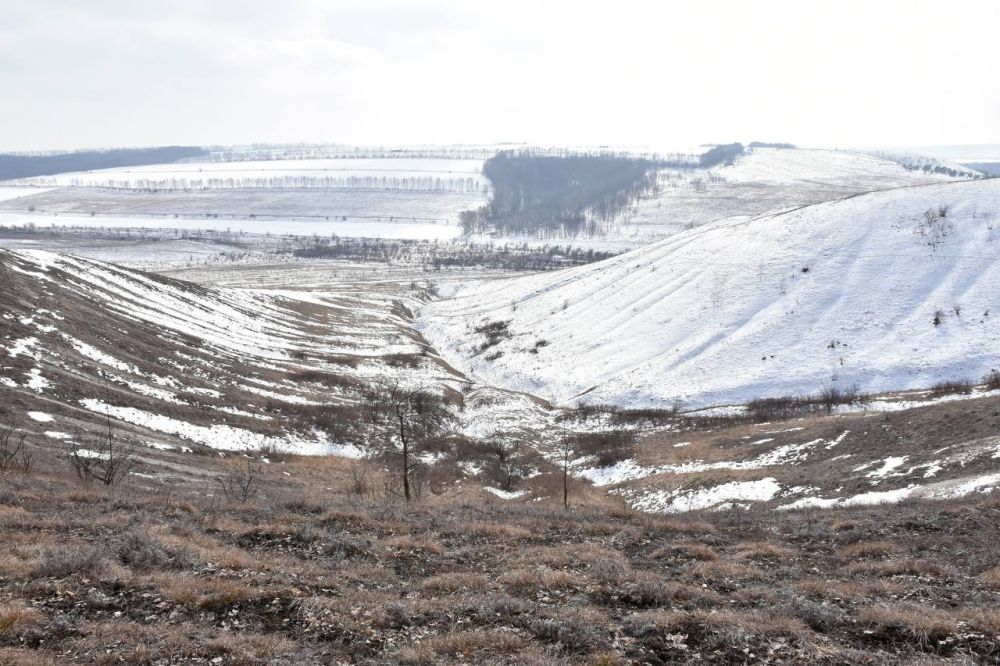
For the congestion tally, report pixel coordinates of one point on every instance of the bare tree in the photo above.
(241, 483)
(107, 458)
(510, 461)
(567, 452)
(14, 454)
(408, 420)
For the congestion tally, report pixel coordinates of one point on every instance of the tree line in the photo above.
(29, 165)
(468, 185)
(438, 256)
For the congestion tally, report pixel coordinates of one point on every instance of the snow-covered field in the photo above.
(391, 197)
(889, 290)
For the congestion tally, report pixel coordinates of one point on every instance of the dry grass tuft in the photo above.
(920, 624)
(531, 581)
(16, 618)
(763, 550)
(464, 644)
(991, 578)
(868, 549)
(694, 551)
(455, 582)
(408, 544)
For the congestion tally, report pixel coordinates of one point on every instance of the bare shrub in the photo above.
(139, 551)
(14, 454)
(607, 446)
(107, 458)
(992, 380)
(63, 561)
(240, 484)
(952, 387)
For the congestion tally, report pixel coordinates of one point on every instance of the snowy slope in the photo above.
(829, 294)
(762, 180)
(188, 366)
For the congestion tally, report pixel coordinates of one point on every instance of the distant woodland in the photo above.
(547, 194)
(564, 194)
(29, 165)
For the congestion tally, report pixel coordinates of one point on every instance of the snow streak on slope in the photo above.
(889, 290)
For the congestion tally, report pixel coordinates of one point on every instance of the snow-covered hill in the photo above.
(762, 180)
(889, 290)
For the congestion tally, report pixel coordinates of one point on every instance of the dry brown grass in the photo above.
(531, 581)
(991, 578)
(409, 544)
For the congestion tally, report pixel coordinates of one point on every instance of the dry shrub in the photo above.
(991, 578)
(206, 549)
(409, 544)
(644, 589)
(463, 644)
(455, 582)
(763, 550)
(581, 631)
(137, 550)
(63, 561)
(531, 581)
(16, 619)
(868, 549)
(915, 623)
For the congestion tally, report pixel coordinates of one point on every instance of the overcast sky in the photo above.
(77, 73)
